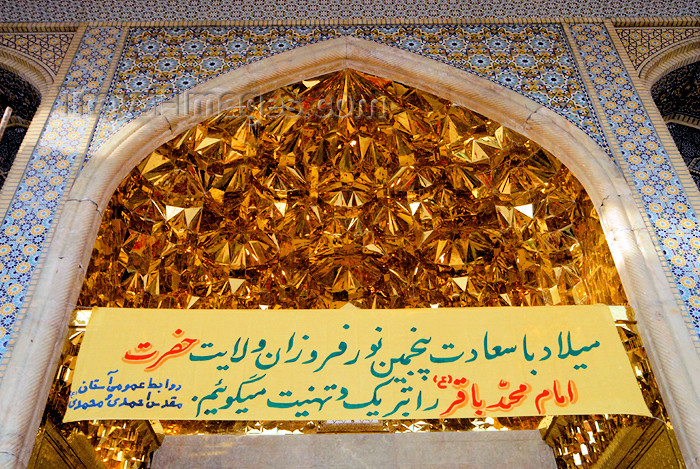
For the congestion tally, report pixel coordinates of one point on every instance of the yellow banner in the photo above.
(352, 364)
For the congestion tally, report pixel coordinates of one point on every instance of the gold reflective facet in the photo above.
(593, 441)
(387, 197)
(350, 190)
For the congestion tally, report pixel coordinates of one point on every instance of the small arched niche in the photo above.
(19, 101)
(677, 95)
(349, 190)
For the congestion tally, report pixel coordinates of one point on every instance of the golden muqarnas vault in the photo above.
(390, 197)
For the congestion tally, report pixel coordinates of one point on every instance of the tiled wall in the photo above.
(158, 63)
(32, 212)
(268, 10)
(152, 64)
(646, 162)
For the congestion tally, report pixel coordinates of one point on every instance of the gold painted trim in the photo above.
(40, 27)
(656, 21)
(682, 120)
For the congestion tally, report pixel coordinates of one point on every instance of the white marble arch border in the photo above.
(30, 372)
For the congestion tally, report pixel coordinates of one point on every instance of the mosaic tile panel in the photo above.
(643, 43)
(47, 48)
(687, 139)
(159, 63)
(246, 10)
(29, 218)
(651, 171)
(678, 93)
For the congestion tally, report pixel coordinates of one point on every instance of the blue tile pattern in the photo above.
(651, 171)
(250, 10)
(32, 211)
(534, 60)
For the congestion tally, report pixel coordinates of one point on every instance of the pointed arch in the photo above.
(29, 69)
(668, 60)
(671, 350)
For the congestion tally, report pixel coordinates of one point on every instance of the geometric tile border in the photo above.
(643, 43)
(47, 48)
(648, 166)
(271, 10)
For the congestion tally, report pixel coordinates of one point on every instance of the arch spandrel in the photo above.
(464, 88)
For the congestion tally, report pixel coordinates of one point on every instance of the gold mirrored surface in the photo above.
(389, 197)
(351, 189)
(600, 441)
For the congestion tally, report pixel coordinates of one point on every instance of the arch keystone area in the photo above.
(30, 372)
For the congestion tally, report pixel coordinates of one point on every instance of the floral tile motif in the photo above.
(250, 10)
(24, 229)
(47, 48)
(533, 60)
(643, 43)
(651, 171)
